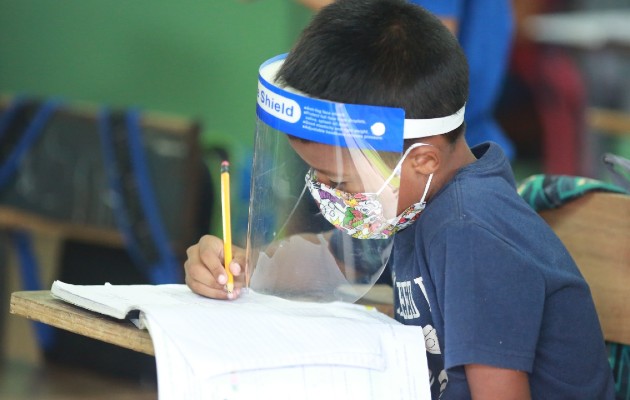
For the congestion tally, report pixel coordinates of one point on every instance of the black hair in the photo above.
(380, 52)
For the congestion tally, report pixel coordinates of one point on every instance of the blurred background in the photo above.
(190, 67)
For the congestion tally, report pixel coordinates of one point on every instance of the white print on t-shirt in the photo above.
(407, 309)
(442, 378)
(420, 283)
(431, 340)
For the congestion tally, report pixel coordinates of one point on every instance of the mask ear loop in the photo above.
(426, 189)
(398, 166)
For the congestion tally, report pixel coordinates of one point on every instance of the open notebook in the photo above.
(122, 301)
(265, 347)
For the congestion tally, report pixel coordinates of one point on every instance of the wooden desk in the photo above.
(41, 306)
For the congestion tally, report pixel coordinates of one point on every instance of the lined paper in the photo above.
(262, 347)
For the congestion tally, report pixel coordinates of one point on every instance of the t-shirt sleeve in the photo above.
(442, 8)
(491, 297)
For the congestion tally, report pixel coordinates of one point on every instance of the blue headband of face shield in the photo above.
(339, 124)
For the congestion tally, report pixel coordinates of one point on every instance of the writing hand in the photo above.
(205, 272)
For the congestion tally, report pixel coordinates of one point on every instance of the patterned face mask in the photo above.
(360, 215)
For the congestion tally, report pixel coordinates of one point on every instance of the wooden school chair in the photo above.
(608, 132)
(595, 228)
(608, 122)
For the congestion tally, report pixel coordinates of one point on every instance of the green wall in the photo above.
(192, 58)
(195, 58)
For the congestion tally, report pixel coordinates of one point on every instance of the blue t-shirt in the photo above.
(485, 29)
(490, 283)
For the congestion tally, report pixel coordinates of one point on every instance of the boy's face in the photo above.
(340, 168)
(333, 165)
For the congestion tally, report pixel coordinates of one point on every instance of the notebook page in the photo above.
(186, 367)
(118, 300)
(405, 378)
(258, 331)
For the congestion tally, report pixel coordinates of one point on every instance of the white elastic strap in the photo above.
(396, 170)
(419, 128)
(426, 188)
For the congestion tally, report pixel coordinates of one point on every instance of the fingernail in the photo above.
(235, 268)
(222, 279)
(230, 296)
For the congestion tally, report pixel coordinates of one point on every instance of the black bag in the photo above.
(114, 173)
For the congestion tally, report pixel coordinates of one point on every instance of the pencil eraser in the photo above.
(224, 166)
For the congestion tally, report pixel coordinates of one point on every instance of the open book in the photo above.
(122, 301)
(261, 346)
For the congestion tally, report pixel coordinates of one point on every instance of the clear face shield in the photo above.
(324, 201)
(324, 194)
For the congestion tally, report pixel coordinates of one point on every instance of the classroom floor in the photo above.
(24, 381)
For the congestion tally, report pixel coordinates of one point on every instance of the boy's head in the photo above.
(385, 53)
(380, 52)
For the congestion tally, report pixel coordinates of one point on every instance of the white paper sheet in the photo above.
(262, 347)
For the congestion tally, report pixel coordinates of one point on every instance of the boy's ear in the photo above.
(425, 160)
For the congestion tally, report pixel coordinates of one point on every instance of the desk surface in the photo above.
(41, 306)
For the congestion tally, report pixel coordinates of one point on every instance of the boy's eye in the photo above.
(327, 180)
(336, 184)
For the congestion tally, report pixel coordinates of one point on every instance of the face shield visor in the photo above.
(324, 194)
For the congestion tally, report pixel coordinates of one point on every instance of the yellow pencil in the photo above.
(227, 226)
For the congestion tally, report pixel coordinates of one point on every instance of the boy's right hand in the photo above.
(205, 272)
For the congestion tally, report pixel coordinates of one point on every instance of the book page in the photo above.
(118, 300)
(260, 347)
(259, 331)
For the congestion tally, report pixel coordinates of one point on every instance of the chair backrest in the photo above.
(62, 187)
(595, 228)
(608, 122)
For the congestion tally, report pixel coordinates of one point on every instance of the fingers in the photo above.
(205, 273)
(238, 260)
(204, 269)
(211, 255)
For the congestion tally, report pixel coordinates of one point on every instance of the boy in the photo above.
(512, 315)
